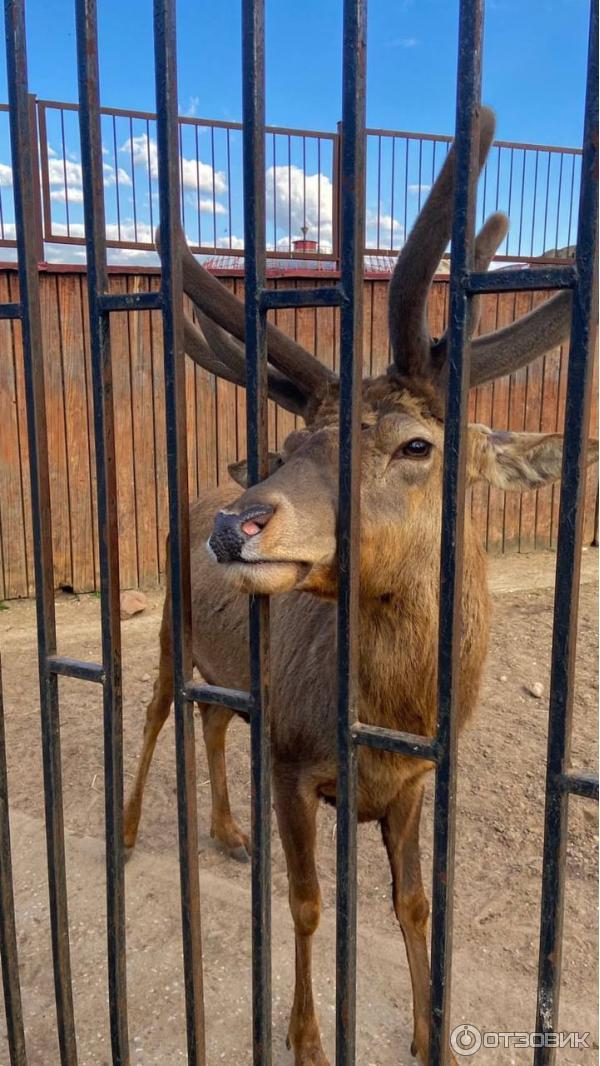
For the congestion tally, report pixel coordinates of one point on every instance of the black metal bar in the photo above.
(108, 527)
(374, 736)
(130, 301)
(60, 664)
(276, 299)
(580, 784)
(453, 497)
(551, 277)
(10, 311)
(568, 562)
(253, 102)
(24, 178)
(8, 935)
(165, 58)
(352, 208)
(237, 701)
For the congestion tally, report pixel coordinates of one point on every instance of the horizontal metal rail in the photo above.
(534, 279)
(277, 299)
(59, 664)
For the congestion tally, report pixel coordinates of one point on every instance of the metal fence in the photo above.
(536, 185)
(254, 705)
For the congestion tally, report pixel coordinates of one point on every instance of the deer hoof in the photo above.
(240, 854)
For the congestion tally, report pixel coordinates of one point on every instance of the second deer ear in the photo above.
(518, 461)
(239, 471)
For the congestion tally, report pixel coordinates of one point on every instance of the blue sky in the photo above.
(534, 63)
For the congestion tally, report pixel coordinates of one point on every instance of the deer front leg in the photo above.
(296, 808)
(223, 826)
(156, 716)
(400, 831)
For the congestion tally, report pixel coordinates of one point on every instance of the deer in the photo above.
(279, 538)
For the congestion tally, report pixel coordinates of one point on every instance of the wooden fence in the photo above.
(532, 399)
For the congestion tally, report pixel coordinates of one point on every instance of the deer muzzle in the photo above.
(231, 532)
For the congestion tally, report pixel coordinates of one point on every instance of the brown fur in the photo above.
(286, 547)
(399, 574)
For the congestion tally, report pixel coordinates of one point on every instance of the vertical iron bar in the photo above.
(568, 562)
(8, 934)
(351, 280)
(24, 178)
(453, 496)
(35, 162)
(253, 71)
(108, 531)
(165, 58)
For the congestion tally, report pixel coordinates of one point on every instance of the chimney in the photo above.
(304, 245)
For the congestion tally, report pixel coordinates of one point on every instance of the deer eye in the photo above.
(413, 449)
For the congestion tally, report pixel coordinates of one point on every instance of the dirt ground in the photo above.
(499, 837)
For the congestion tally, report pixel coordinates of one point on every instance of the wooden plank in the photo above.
(14, 554)
(560, 425)
(325, 336)
(436, 308)
(121, 355)
(533, 416)
(285, 422)
(77, 431)
(21, 415)
(239, 289)
(55, 420)
(500, 397)
(548, 424)
(482, 413)
(516, 422)
(142, 415)
(367, 343)
(159, 432)
(380, 345)
(91, 443)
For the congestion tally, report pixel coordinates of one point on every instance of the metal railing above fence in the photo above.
(536, 185)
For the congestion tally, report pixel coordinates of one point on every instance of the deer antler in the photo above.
(417, 262)
(230, 353)
(508, 349)
(211, 297)
(488, 240)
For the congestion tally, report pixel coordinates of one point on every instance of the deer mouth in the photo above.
(264, 577)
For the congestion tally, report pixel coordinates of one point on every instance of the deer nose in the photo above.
(232, 531)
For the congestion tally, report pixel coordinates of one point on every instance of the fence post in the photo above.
(37, 198)
(336, 227)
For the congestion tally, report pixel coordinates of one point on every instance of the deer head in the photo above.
(281, 534)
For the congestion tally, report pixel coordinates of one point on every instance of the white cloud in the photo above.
(71, 193)
(6, 178)
(110, 175)
(64, 172)
(193, 104)
(295, 200)
(67, 177)
(418, 188)
(230, 242)
(389, 230)
(402, 42)
(196, 175)
(205, 204)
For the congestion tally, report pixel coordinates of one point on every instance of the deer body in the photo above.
(280, 538)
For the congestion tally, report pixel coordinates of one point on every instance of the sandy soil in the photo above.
(500, 812)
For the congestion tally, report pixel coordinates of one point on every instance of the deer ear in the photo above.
(519, 461)
(239, 471)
